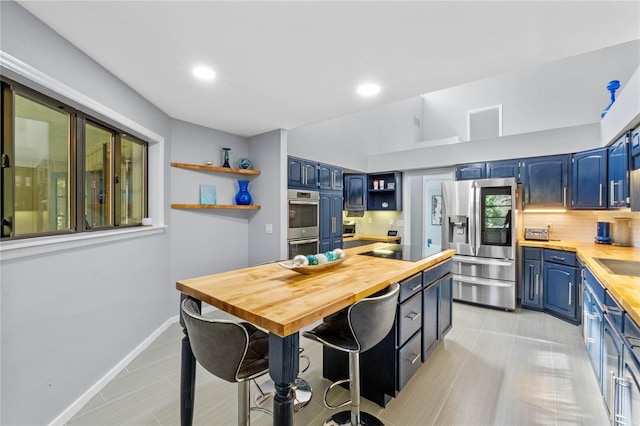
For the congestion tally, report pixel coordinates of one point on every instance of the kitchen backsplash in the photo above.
(377, 222)
(581, 225)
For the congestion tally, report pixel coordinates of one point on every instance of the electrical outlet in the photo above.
(390, 221)
(268, 228)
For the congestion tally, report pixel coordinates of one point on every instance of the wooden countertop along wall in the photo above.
(624, 288)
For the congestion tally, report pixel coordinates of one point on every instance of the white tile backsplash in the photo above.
(577, 225)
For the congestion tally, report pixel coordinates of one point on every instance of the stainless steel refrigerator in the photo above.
(479, 223)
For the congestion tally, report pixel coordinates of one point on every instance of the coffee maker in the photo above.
(603, 235)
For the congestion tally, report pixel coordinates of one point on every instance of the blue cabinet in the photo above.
(560, 289)
(634, 147)
(504, 169)
(330, 212)
(531, 296)
(589, 179)
(302, 174)
(446, 305)
(355, 193)
(329, 177)
(592, 323)
(545, 182)
(384, 191)
(560, 284)
(471, 171)
(619, 173)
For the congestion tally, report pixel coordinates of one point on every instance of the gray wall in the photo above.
(563, 93)
(205, 241)
(68, 317)
(268, 153)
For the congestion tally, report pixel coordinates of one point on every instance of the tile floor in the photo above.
(493, 368)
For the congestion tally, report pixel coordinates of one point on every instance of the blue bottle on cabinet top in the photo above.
(611, 87)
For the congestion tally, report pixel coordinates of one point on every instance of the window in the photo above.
(64, 171)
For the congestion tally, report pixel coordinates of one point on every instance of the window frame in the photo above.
(77, 122)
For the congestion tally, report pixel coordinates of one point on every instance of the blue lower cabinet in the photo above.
(560, 290)
(430, 316)
(531, 295)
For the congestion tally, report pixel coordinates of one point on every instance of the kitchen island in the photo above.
(283, 302)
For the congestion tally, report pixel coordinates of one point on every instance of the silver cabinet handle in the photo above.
(558, 258)
(564, 196)
(537, 283)
(416, 288)
(415, 358)
(600, 196)
(413, 316)
(612, 395)
(570, 288)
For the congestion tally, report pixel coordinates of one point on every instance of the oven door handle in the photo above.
(303, 203)
(298, 242)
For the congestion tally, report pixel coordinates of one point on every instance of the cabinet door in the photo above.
(634, 149)
(385, 197)
(559, 289)
(629, 402)
(302, 174)
(325, 224)
(589, 179)
(324, 176)
(531, 285)
(611, 363)
(337, 202)
(471, 171)
(618, 173)
(504, 169)
(295, 172)
(355, 192)
(544, 182)
(337, 179)
(430, 315)
(446, 304)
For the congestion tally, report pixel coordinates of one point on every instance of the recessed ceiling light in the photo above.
(368, 89)
(204, 73)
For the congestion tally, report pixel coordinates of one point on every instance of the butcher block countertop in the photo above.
(374, 238)
(624, 288)
(284, 301)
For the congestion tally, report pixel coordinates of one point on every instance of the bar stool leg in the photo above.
(243, 403)
(354, 387)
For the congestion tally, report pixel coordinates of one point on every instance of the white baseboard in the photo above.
(77, 405)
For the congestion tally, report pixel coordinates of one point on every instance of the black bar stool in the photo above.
(354, 330)
(233, 351)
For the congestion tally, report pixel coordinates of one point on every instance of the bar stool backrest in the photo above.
(371, 319)
(220, 346)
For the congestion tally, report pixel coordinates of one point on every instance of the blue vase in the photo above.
(611, 87)
(243, 198)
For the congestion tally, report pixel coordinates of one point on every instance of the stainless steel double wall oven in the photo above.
(303, 231)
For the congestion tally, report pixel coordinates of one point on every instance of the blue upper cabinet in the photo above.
(545, 182)
(504, 169)
(471, 171)
(634, 147)
(355, 193)
(302, 174)
(329, 177)
(589, 179)
(618, 173)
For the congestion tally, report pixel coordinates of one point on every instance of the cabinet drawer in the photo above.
(410, 286)
(559, 256)
(596, 288)
(409, 360)
(532, 253)
(436, 272)
(410, 318)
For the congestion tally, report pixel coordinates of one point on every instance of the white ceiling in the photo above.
(288, 64)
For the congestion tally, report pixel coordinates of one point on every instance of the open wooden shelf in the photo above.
(215, 206)
(216, 169)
